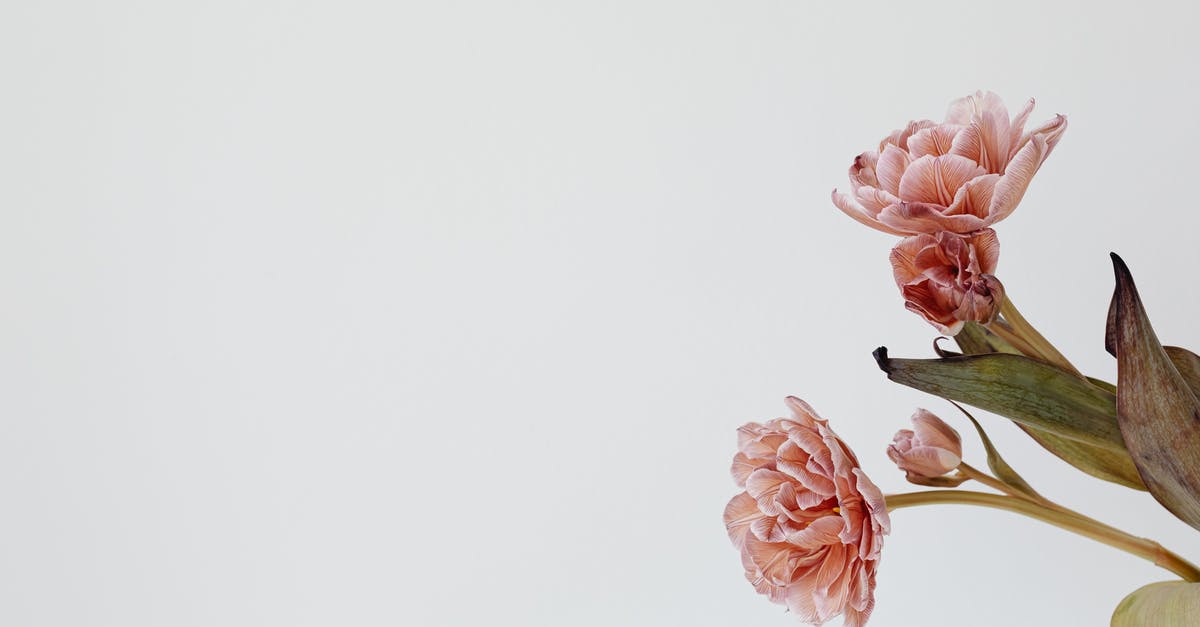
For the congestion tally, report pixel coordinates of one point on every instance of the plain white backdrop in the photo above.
(445, 313)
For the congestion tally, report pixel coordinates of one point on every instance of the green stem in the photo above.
(1062, 518)
(1016, 491)
(1036, 345)
(988, 480)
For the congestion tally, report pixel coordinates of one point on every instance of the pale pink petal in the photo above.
(862, 171)
(904, 255)
(981, 302)
(800, 603)
(985, 141)
(859, 213)
(766, 528)
(793, 461)
(740, 513)
(873, 200)
(743, 466)
(834, 598)
(862, 598)
(802, 412)
(1011, 187)
(771, 559)
(832, 567)
(900, 137)
(921, 300)
(916, 217)
(933, 431)
(873, 497)
(974, 197)
(929, 461)
(934, 141)
(1017, 128)
(758, 441)
(935, 180)
(987, 250)
(764, 485)
(964, 110)
(821, 532)
(890, 169)
(1051, 131)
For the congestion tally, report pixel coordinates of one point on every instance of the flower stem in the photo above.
(1022, 492)
(988, 480)
(1027, 338)
(1059, 517)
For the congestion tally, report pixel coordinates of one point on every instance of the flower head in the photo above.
(962, 175)
(931, 449)
(810, 524)
(947, 279)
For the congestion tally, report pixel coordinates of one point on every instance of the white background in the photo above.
(445, 313)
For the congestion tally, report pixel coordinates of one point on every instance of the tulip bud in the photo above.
(931, 449)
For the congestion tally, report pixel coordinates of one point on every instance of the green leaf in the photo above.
(1062, 411)
(999, 467)
(1158, 412)
(976, 339)
(1162, 604)
(1027, 390)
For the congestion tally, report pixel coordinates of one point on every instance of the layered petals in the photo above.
(949, 279)
(918, 181)
(809, 524)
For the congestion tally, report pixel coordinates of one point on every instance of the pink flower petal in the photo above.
(859, 213)
(890, 169)
(1017, 128)
(862, 171)
(934, 141)
(985, 141)
(974, 197)
(964, 110)
(740, 513)
(917, 217)
(935, 180)
(1011, 187)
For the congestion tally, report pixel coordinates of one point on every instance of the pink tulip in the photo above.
(810, 524)
(947, 279)
(962, 175)
(931, 449)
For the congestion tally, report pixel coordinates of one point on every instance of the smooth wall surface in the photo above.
(445, 313)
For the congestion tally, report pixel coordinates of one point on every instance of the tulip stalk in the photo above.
(1058, 516)
(1016, 330)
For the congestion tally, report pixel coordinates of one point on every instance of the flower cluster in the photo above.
(941, 187)
(808, 522)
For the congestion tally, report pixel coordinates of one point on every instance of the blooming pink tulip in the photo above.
(962, 175)
(947, 279)
(931, 449)
(810, 524)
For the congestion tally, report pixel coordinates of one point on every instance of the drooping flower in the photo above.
(962, 175)
(948, 279)
(930, 449)
(810, 524)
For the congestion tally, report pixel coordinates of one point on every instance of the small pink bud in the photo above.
(931, 449)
